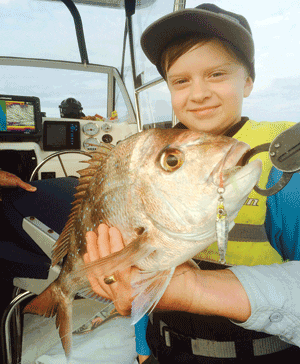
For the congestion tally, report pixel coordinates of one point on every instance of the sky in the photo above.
(45, 29)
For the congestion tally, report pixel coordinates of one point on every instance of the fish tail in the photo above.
(51, 303)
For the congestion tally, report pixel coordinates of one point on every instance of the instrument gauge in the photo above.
(106, 127)
(91, 129)
(91, 143)
(107, 138)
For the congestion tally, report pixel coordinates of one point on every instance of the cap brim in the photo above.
(195, 21)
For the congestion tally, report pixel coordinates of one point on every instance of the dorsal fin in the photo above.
(98, 157)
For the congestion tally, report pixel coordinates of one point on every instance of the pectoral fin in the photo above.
(134, 252)
(149, 288)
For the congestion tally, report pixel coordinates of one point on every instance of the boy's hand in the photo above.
(10, 180)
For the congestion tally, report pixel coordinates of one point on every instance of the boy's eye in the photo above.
(179, 82)
(217, 74)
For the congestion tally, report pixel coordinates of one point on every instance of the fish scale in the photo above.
(164, 210)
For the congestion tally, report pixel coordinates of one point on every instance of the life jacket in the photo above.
(248, 243)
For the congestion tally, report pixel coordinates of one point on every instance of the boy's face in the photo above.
(207, 86)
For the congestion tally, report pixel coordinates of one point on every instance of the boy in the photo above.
(206, 55)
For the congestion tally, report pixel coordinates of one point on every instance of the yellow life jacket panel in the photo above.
(248, 243)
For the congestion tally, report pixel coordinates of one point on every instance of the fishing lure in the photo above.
(222, 225)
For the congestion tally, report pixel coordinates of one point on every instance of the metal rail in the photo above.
(79, 30)
(179, 4)
(5, 326)
(57, 154)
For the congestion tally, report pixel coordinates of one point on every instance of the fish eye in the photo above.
(171, 160)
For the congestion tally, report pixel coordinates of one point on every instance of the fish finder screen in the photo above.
(57, 135)
(61, 135)
(17, 117)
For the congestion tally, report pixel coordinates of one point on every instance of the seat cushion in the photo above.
(51, 204)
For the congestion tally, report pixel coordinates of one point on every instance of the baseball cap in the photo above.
(204, 19)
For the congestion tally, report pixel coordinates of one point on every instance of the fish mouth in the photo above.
(233, 165)
(235, 155)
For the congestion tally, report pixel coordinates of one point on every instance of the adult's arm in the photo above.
(249, 296)
(10, 180)
(274, 295)
(190, 289)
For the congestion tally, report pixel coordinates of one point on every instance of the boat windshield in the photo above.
(44, 29)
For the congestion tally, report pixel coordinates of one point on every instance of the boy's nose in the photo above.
(200, 91)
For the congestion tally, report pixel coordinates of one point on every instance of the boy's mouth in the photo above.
(204, 111)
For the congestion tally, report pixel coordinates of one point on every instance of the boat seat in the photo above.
(33, 222)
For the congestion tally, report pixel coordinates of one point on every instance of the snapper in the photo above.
(161, 189)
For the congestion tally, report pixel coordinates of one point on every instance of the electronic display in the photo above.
(56, 135)
(61, 135)
(19, 116)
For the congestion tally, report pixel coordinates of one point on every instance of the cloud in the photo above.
(4, 2)
(269, 21)
(279, 101)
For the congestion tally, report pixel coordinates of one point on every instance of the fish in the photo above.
(160, 189)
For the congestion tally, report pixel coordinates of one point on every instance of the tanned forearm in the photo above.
(220, 293)
(207, 293)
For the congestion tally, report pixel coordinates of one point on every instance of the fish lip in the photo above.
(229, 161)
(254, 167)
(244, 169)
(233, 158)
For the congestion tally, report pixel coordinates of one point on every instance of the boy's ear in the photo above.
(248, 86)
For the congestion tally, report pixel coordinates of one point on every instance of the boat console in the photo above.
(74, 134)
(28, 138)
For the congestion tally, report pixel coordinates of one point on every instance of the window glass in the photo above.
(37, 29)
(103, 31)
(155, 104)
(121, 107)
(53, 86)
(142, 19)
(46, 29)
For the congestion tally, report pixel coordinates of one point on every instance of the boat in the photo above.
(73, 75)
